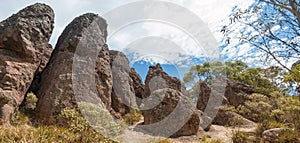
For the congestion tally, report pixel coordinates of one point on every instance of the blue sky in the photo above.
(176, 56)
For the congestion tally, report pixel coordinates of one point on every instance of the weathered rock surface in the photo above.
(204, 93)
(84, 37)
(237, 93)
(272, 135)
(123, 93)
(232, 119)
(158, 79)
(24, 48)
(167, 106)
(174, 115)
(138, 86)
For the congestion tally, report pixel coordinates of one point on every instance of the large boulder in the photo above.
(232, 119)
(84, 38)
(123, 93)
(237, 93)
(174, 116)
(273, 135)
(234, 94)
(167, 105)
(24, 48)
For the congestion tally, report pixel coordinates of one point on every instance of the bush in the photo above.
(25, 133)
(133, 117)
(239, 137)
(73, 120)
(101, 120)
(31, 101)
(289, 137)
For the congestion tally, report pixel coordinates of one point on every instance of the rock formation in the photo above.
(158, 79)
(24, 48)
(138, 86)
(232, 119)
(57, 83)
(234, 94)
(167, 95)
(123, 93)
(273, 135)
(237, 93)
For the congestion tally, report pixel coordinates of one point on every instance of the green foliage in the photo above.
(239, 137)
(205, 72)
(29, 134)
(101, 120)
(132, 117)
(73, 120)
(290, 136)
(293, 78)
(20, 118)
(31, 101)
(264, 81)
(206, 140)
(23, 131)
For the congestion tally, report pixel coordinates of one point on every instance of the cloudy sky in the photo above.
(147, 42)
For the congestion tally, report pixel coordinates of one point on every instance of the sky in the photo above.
(148, 42)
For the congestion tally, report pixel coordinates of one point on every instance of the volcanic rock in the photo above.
(24, 48)
(78, 71)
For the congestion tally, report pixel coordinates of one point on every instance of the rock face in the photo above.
(138, 86)
(232, 119)
(204, 94)
(272, 135)
(236, 94)
(57, 84)
(158, 79)
(164, 98)
(24, 48)
(123, 93)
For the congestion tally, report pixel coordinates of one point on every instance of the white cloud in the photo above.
(212, 12)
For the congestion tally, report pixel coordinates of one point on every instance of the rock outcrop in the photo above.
(158, 79)
(84, 37)
(233, 94)
(172, 110)
(138, 86)
(232, 119)
(24, 48)
(123, 93)
(237, 93)
(273, 135)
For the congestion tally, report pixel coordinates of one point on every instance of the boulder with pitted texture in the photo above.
(82, 40)
(24, 48)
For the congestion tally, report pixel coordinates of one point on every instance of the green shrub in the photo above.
(289, 137)
(132, 117)
(239, 137)
(31, 101)
(101, 120)
(53, 134)
(73, 120)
